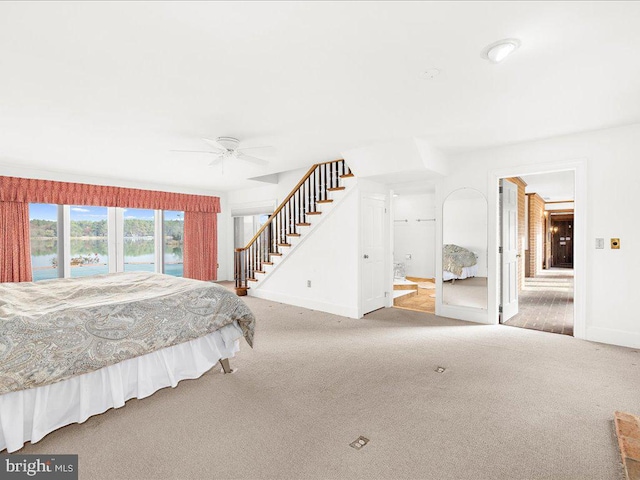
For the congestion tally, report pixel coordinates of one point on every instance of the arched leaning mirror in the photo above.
(464, 249)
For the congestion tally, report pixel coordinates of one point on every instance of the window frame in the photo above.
(115, 240)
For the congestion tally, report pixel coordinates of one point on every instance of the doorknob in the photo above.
(366, 256)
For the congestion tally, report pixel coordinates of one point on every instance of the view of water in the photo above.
(90, 257)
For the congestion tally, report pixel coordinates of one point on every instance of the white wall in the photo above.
(464, 223)
(611, 175)
(329, 258)
(415, 238)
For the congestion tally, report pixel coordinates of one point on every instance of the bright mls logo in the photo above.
(50, 467)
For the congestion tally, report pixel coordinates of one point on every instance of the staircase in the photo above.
(292, 220)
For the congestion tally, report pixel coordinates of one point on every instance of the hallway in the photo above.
(546, 302)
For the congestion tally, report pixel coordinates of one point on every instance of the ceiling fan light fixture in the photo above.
(498, 51)
(230, 143)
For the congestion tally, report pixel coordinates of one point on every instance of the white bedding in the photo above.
(467, 272)
(29, 415)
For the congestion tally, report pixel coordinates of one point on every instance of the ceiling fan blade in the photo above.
(195, 151)
(249, 158)
(266, 150)
(215, 144)
(216, 161)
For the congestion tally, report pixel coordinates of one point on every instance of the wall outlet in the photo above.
(599, 243)
(615, 243)
(309, 283)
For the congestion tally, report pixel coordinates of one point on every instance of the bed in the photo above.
(73, 348)
(458, 263)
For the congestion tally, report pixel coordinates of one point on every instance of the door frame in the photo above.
(579, 167)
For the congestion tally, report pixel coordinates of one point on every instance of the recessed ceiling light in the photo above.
(498, 51)
(430, 73)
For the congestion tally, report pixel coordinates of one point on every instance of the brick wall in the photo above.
(521, 228)
(537, 233)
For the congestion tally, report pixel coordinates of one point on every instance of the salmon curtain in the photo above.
(200, 245)
(200, 236)
(29, 190)
(15, 244)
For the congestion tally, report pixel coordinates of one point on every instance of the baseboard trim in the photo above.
(342, 310)
(613, 337)
(475, 315)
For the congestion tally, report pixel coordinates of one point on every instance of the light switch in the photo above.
(615, 243)
(600, 243)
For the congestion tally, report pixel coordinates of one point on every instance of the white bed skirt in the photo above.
(467, 272)
(29, 415)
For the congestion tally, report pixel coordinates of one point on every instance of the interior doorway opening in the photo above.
(537, 283)
(414, 248)
(246, 226)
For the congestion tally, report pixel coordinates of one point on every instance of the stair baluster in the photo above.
(292, 211)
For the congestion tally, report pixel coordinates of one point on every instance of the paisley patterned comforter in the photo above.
(455, 258)
(55, 329)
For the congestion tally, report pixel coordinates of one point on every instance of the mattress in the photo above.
(72, 348)
(53, 330)
(29, 415)
(467, 272)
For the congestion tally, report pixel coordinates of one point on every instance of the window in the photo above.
(88, 240)
(97, 240)
(139, 240)
(43, 223)
(173, 232)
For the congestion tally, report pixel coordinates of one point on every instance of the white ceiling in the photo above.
(552, 187)
(108, 88)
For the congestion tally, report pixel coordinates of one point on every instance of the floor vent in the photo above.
(359, 443)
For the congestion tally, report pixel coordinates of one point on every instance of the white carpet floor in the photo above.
(511, 404)
(469, 292)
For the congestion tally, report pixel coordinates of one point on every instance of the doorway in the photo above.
(414, 247)
(246, 226)
(537, 292)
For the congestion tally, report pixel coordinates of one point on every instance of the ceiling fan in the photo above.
(227, 148)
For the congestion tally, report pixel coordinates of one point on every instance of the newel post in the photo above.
(240, 272)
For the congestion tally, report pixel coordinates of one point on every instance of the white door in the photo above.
(509, 247)
(372, 266)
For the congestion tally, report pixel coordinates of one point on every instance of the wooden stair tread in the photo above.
(284, 244)
(335, 189)
(260, 271)
(313, 213)
(324, 201)
(293, 234)
(275, 254)
(267, 263)
(304, 224)
(347, 175)
(252, 279)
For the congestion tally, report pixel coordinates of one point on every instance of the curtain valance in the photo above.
(28, 190)
(200, 229)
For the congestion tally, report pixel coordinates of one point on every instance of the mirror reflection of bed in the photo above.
(464, 251)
